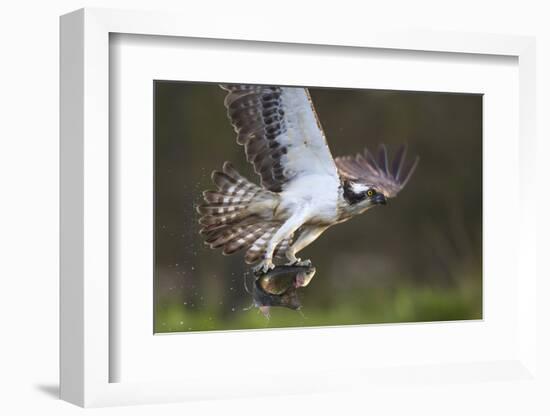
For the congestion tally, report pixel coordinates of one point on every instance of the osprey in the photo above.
(304, 190)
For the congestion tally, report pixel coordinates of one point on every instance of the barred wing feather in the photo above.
(280, 131)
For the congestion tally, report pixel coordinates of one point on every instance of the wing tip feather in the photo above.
(376, 167)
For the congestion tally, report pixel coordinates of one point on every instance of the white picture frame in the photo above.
(86, 163)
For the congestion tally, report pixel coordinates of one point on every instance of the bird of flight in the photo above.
(304, 190)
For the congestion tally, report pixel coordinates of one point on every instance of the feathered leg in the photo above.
(288, 228)
(307, 236)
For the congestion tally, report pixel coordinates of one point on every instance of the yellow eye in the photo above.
(370, 192)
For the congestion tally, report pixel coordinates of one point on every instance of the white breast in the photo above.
(318, 192)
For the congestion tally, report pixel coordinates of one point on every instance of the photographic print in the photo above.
(279, 206)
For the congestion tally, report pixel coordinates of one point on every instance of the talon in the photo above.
(292, 260)
(264, 267)
(304, 263)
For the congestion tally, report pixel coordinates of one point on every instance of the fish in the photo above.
(282, 278)
(278, 287)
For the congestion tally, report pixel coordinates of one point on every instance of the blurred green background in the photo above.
(417, 259)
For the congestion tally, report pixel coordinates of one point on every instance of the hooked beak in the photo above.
(379, 199)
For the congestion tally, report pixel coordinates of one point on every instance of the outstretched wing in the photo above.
(280, 131)
(377, 171)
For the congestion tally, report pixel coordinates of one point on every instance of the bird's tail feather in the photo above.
(230, 215)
